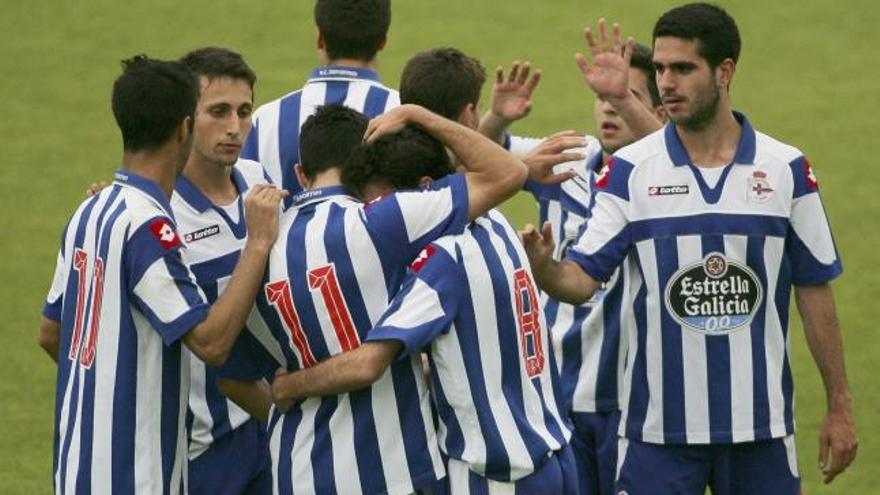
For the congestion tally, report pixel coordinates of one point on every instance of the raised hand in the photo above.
(512, 95)
(551, 152)
(539, 245)
(261, 213)
(608, 74)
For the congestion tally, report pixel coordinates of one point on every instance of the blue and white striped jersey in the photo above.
(336, 265)
(472, 300)
(586, 338)
(214, 241)
(274, 137)
(124, 299)
(711, 269)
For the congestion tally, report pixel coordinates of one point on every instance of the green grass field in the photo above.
(805, 77)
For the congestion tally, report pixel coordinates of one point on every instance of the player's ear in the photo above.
(425, 181)
(301, 176)
(724, 72)
(382, 43)
(184, 130)
(320, 43)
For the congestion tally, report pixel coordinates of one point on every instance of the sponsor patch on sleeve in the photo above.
(164, 233)
(423, 258)
(812, 182)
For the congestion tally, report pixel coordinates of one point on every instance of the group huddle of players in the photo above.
(320, 296)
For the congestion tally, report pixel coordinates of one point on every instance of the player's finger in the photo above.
(581, 62)
(603, 33)
(514, 71)
(524, 73)
(547, 230)
(628, 50)
(618, 42)
(591, 42)
(499, 75)
(559, 178)
(823, 451)
(565, 133)
(533, 82)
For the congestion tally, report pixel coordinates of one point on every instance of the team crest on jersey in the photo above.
(200, 234)
(165, 233)
(423, 258)
(667, 190)
(714, 296)
(759, 190)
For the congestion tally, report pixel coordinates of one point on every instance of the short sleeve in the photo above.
(606, 239)
(251, 148)
(55, 298)
(163, 288)
(426, 304)
(403, 223)
(810, 245)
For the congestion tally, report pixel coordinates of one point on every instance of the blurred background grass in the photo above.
(807, 76)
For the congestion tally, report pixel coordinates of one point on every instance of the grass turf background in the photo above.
(806, 76)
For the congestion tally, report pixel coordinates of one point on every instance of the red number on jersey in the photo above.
(529, 321)
(278, 294)
(80, 262)
(324, 279)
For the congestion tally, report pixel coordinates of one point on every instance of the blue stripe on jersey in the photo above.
(288, 422)
(124, 409)
(637, 409)
(718, 367)
(760, 397)
(288, 142)
(171, 361)
(607, 372)
(251, 148)
(377, 100)
(670, 334)
(322, 464)
(782, 300)
(707, 224)
(336, 92)
(338, 254)
(368, 454)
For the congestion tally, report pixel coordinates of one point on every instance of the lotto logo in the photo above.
(423, 258)
(164, 232)
(667, 190)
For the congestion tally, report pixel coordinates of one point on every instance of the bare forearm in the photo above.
(255, 397)
(48, 336)
(636, 115)
(342, 373)
(816, 306)
(565, 281)
(213, 338)
(493, 127)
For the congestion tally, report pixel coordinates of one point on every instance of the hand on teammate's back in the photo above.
(608, 74)
(551, 152)
(262, 209)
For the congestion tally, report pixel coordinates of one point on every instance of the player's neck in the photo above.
(349, 62)
(713, 145)
(160, 166)
(212, 179)
(327, 178)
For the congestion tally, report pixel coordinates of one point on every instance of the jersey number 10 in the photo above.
(86, 350)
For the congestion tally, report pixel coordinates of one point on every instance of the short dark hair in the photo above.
(353, 28)
(150, 99)
(328, 137)
(400, 159)
(642, 60)
(709, 24)
(443, 80)
(213, 62)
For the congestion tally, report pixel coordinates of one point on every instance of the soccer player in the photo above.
(470, 300)
(228, 449)
(350, 34)
(122, 300)
(718, 222)
(331, 275)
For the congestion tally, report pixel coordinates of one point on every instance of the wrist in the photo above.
(497, 120)
(258, 246)
(840, 402)
(619, 100)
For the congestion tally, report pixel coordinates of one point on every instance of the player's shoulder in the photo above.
(769, 149)
(645, 150)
